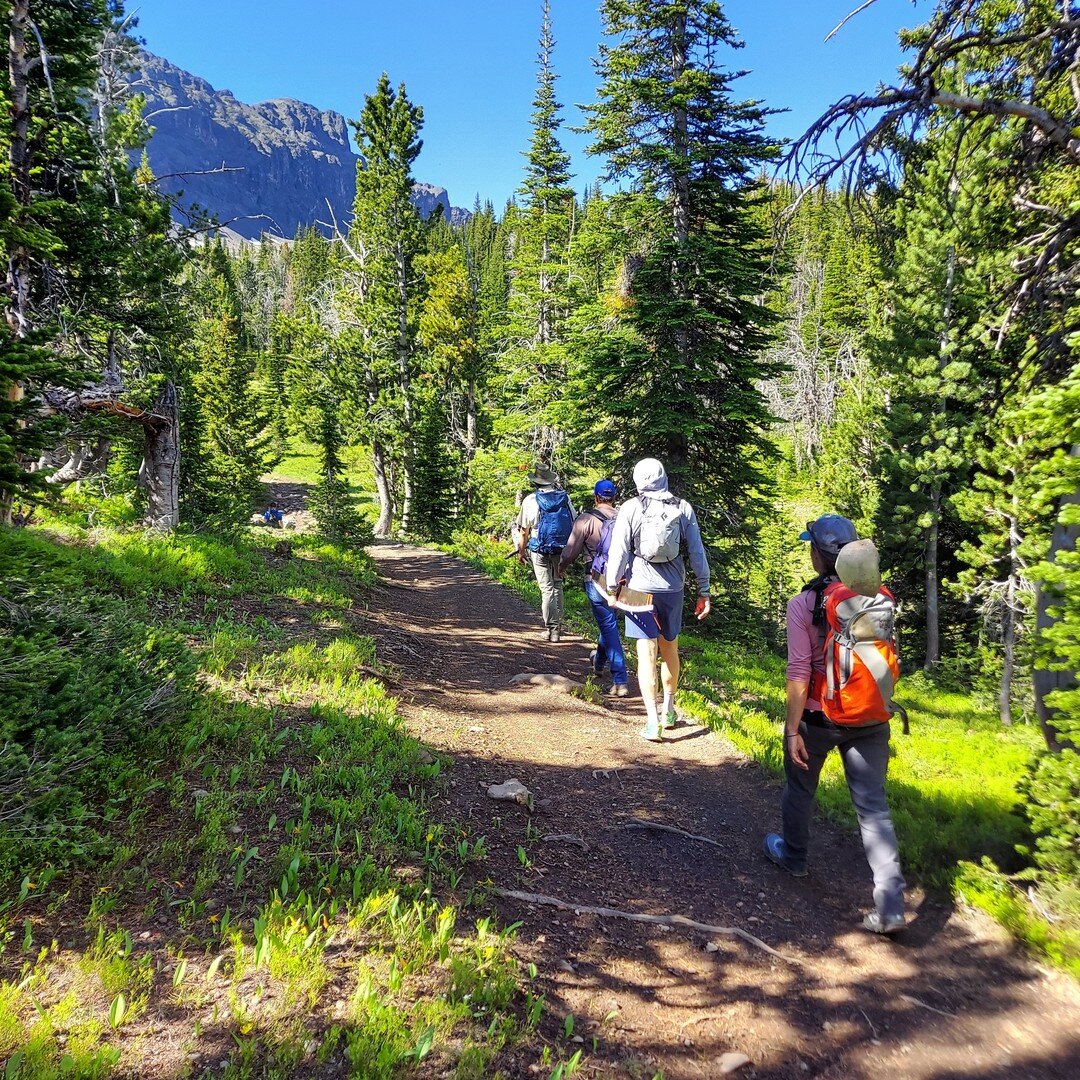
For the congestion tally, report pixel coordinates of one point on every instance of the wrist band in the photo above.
(793, 735)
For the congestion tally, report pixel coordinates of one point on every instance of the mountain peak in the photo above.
(274, 166)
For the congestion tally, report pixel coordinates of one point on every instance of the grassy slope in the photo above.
(952, 782)
(250, 853)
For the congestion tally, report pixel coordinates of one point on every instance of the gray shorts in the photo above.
(665, 619)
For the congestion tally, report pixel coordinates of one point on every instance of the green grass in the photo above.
(952, 783)
(274, 811)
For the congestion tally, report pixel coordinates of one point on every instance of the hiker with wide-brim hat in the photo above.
(809, 735)
(543, 529)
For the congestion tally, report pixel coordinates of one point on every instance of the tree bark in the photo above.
(404, 352)
(86, 459)
(1063, 540)
(160, 473)
(385, 524)
(1008, 666)
(930, 562)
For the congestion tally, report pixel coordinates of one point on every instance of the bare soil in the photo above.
(950, 998)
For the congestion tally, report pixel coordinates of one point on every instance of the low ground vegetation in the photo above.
(229, 861)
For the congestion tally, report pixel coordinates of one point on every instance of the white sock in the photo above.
(669, 702)
(651, 719)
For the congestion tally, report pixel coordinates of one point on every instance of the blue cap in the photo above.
(830, 533)
(604, 489)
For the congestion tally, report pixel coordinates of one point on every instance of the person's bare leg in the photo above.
(646, 673)
(669, 674)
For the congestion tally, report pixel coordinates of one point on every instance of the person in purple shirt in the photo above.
(809, 736)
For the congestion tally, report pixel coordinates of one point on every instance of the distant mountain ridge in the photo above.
(271, 167)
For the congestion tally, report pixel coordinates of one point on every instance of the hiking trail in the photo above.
(952, 998)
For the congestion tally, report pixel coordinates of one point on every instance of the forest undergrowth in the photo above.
(953, 782)
(229, 862)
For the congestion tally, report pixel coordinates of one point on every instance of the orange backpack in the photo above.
(861, 661)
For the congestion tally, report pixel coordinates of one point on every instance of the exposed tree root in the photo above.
(641, 823)
(634, 916)
(567, 838)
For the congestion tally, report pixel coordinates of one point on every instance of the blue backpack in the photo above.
(556, 520)
(603, 545)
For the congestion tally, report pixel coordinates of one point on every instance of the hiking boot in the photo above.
(545, 634)
(596, 670)
(619, 689)
(776, 851)
(671, 719)
(877, 923)
(651, 734)
(555, 634)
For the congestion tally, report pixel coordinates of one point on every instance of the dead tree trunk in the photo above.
(160, 473)
(385, 524)
(1063, 541)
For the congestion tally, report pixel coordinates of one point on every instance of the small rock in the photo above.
(236, 830)
(512, 791)
(711, 946)
(577, 1039)
(732, 1061)
(145, 935)
(200, 793)
(425, 757)
(565, 965)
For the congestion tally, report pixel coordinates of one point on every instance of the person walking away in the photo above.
(646, 555)
(544, 523)
(823, 713)
(273, 515)
(591, 534)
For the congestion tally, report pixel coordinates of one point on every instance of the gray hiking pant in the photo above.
(546, 568)
(865, 754)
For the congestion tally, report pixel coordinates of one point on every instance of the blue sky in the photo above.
(471, 64)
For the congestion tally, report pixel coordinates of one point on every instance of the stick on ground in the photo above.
(641, 823)
(634, 916)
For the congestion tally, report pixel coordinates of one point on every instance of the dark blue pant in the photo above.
(609, 648)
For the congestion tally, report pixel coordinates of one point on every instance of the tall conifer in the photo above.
(671, 128)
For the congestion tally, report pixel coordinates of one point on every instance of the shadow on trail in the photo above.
(942, 1001)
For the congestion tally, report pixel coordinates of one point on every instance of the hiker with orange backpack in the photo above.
(842, 669)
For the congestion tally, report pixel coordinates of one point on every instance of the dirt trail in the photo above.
(950, 999)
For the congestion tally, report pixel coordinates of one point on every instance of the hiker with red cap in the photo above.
(841, 671)
(591, 534)
(650, 535)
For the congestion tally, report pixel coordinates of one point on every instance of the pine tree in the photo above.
(234, 445)
(680, 381)
(951, 261)
(533, 377)
(385, 240)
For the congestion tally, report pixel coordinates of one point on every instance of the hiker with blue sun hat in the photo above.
(591, 535)
(842, 668)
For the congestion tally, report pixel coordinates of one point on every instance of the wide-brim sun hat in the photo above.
(541, 477)
(830, 532)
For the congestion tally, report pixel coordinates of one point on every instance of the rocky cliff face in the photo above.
(287, 160)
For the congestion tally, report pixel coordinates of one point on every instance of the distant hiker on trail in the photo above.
(592, 534)
(544, 523)
(646, 556)
(840, 676)
(273, 515)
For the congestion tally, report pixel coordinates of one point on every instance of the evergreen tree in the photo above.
(533, 376)
(951, 261)
(234, 437)
(683, 383)
(385, 240)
